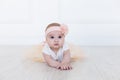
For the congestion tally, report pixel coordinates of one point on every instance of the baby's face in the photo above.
(55, 39)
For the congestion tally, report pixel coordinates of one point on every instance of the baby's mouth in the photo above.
(56, 44)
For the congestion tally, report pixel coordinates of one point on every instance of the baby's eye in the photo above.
(60, 37)
(52, 37)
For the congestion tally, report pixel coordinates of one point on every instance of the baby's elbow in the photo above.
(52, 64)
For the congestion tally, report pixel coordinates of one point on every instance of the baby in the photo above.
(56, 52)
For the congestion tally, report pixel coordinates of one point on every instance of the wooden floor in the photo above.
(102, 63)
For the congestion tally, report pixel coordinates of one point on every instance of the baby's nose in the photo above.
(56, 39)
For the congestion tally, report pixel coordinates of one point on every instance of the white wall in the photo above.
(90, 22)
(95, 34)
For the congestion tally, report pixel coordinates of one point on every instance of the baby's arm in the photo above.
(65, 64)
(50, 61)
(66, 57)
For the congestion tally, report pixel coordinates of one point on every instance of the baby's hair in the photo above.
(52, 24)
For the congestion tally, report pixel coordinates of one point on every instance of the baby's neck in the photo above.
(55, 50)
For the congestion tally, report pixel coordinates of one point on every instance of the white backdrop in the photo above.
(91, 22)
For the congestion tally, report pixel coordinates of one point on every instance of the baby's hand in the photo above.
(64, 66)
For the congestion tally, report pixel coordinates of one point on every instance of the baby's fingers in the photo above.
(65, 67)
(70, 67)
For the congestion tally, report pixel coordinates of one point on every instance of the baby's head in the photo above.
(55, 35)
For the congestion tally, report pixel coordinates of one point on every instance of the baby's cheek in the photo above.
(62, 42)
